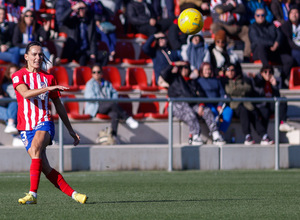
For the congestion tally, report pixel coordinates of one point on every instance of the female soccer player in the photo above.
(34, 87)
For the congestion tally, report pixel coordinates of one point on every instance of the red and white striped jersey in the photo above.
(37, 109)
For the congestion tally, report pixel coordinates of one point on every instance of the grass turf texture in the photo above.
(159, 195)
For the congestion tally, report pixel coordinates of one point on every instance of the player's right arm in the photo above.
(27, 93)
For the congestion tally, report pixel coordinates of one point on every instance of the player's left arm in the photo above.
(61, 111)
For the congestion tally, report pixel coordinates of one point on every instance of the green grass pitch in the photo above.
(159, 195)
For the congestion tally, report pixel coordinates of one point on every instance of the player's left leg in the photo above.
(59, 182)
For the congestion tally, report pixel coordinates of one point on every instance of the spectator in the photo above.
(29, 30)
(105, 29)
(81, 43)
(97, 87)
(266, 44)
(229, 15)
(291, 32)
(213, 88)
(201, 5)
(265, 85)
(176, 38)
(218, 55)
(61, 7)
(280, 10)
(142, 17)
(237, 87)
(195, 53)
(13, 11)
(190, 113)
(8, 112)
(8, 53)
(161, 54)
(112, 6)
(253, 5)
(158, 9)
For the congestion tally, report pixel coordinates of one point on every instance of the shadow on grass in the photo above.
(173, 200)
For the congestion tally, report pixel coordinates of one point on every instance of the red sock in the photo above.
(35, 173)
(58, 181)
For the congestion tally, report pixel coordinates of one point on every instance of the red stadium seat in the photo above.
(294, 82)
(142, 60)
(176, 7)
(2, 62)
(72, 109)
(270, 62)
(137, 78)
(124, 50)
(81, 75)
(112, 74)
(140, 36)
(61, 75)
(45, 14)
(207, 23)
(102, 116)
(150, 109)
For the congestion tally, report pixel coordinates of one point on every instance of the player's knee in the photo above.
(34, 151)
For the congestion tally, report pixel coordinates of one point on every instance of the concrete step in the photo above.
(155, 157)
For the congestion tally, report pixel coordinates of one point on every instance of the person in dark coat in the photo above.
(8, 53)
(266, 85)
(239, 86)
(280, 10)
(81, 43)
(266, 45)
(291, 32)
(142, 17)
(161, 54)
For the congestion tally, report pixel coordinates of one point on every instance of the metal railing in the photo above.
(276, 100)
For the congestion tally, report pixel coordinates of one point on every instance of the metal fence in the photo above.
(276, 100)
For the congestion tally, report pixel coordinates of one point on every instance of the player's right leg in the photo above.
(36, 141)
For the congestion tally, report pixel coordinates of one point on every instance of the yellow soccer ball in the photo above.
(190, 21)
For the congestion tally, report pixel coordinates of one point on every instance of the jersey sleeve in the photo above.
(17, 79)
(54, 94)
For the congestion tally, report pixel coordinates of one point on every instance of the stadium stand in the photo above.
(137, 79)
(72, 109)
(81, 75)
(150, 109)
(124, 50)
(61, 75)
(294, 82)
(112, 74)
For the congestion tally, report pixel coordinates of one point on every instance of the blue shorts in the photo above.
(27, 136)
